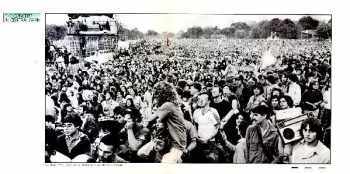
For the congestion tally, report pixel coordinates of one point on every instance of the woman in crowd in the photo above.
(312, 99)
(121, 76)
(285, 102)
(256, 99)
(108, 104)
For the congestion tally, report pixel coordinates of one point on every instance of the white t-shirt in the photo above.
(295, 93)
(326, 99)
(303, 153)
(50, 106)
(206, 123)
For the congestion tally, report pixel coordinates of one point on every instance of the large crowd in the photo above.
(190, 101)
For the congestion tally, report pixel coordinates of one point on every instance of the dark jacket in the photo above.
(82, 147)
(90, 128)
(262, 148)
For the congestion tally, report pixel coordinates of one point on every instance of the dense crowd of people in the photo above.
(190, 101)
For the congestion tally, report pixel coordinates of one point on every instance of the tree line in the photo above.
(283, 28)
(286, 29)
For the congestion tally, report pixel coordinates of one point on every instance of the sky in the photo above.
(177, 22)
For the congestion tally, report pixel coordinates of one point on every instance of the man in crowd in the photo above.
(192, 135)
(73, 142)
(169, 113)
(310, 149)
(106, 151)
(195, 89)
(262, 138)
(222, 106)
(140, 69)
(208, 122)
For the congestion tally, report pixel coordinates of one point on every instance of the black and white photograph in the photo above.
(191, 88)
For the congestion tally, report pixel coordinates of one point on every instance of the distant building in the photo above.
(88, 35)
(308, 34)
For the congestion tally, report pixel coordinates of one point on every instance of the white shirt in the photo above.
(295, 93)
(206, 123)
(302, 153)
(147, 97)
(50, 106)
(108, 106)
(327, 99)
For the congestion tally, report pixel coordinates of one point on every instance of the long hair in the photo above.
(165, 92)
(314, 126)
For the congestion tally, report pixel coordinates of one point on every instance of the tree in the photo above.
(241, 29)
(179, 34)
(77, 15)
(151, 33)
(193, 32)
(255, 32)
(209, 31)
(228, 32)
(240, 26)
(130, 34)
(275, 25)
(308, 23)
(324, 31)
(241, 34)
(261, 30)
(135, 34)
(55, 32)
(288, 29)
(170, 34)
(265, 29)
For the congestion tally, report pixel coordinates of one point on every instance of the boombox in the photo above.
(289, 128)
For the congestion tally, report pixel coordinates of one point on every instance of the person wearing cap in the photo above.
(73, 142)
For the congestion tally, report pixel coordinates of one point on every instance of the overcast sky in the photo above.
(176, 22)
